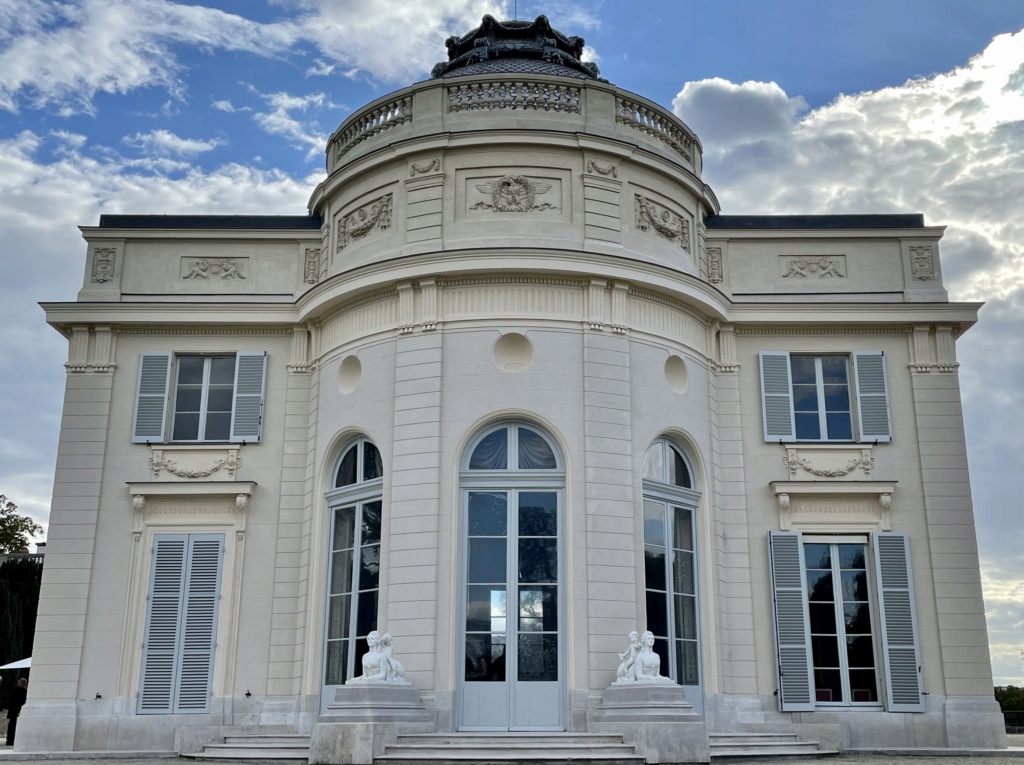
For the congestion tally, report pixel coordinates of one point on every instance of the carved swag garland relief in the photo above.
(667, 224)
(374, 216)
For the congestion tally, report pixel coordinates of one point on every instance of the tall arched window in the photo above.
(353, 579)
(670, 563)
(511, 623)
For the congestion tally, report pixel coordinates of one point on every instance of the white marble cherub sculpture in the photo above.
(379, 664)
(639, 663)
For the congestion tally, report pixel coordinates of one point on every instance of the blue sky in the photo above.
(802, 107)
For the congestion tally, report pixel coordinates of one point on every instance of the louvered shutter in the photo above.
(199, 623)
(151, 398)
(872, 396)
(250, 381)
(163, 618)
(792, 625)
(776, 396)
(899, 623)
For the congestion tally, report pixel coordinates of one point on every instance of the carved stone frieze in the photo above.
(667, 224)
(312, 265)
(830, 507)
(195, 463)
(823, 267)
(829, 464)
(922, 264)
(213, 268)
(715, 272)
(595, 167)
(375, 216)
(433, 166)
(103, 260)
(513, 193)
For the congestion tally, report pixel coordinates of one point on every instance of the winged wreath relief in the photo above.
(513, 193)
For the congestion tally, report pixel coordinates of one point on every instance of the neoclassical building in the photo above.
(512, 389)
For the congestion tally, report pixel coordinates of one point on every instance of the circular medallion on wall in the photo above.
(349, 373)
(676, 374)
(513, 352)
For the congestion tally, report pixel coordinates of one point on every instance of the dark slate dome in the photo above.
(500, 47)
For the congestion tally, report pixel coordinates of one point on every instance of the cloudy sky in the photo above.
(152, 106)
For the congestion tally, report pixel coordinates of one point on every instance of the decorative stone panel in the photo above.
(194, 462)
(829, 461)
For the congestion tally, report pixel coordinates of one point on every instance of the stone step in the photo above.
(532, 748)
(752, 752)
(524, 750)
(495, 755)
(272, 738)
(249, 754)
(510, 738)
(746, 738)
(257, 746)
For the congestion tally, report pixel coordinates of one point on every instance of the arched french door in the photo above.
(512, 634)
(353, 562)
(670, 566)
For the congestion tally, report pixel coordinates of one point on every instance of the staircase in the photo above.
(268, 746)
(533, 748)
(763, 745)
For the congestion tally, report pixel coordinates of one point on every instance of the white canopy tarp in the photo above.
(20, 664)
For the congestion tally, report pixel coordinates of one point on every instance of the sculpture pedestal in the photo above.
(363, 719)
(656, 718)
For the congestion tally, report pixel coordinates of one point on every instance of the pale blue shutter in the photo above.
(199, 622)
(151, 398)
(792, 625)
(899, 623)
(163, 618)
(776, 396)
(250, 383)
(872, 396)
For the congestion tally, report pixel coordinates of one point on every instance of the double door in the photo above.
(512, 634)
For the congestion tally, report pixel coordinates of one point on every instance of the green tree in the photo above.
(19, 599)
(16, 531)
(1010, 698)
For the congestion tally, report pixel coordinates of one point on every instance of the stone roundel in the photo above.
(676, 374)
(512, 352)
(349, 374)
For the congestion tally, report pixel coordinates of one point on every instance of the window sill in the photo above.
(189, 462)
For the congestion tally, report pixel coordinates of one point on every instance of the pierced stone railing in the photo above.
(653, 123)
(536, 96)
(373, 122)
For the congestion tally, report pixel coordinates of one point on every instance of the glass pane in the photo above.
(190, 370)
(654, 462)
(808, 427)
(371, 522)
(347, 469)
(825, 651)
(863, 685)
(218, 399)
(851, 556)
(341, 572)
(657, 613)
(366, 618)
(218, 426)
(686, 660)
(682, 529)
(805, 398)
(534, 452)
(337, 617)
(828, 685)
(661, 648)
(823, 618)
(487, 561)
(839, 425)
(817, 556)
(369, 568)
(337, 662)
(855, 585)
(488, 514)
(819, 585)
(678, 475)
(538, 560)
(857, 617)
(860, 651)
(344, 528)
(188, 398)
(654, 567)
(484, 607)
(654, 523)
(802, 369)
(833, 369)
(222, 370)
(539, 606)
(485, 658)
(373, 466)
(837, 398)
(538, 658)
(186, 427)
(686, 617)
(492, 452)
(682, 572)
(538, 514)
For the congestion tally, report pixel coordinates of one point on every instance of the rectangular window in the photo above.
(821, 398)
(213, 398)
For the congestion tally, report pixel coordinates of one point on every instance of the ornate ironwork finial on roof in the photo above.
(515, 46)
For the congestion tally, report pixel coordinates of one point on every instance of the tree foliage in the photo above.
(19, 599)
(16, 531)
(1010, 698)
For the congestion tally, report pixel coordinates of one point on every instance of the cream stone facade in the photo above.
(512, 389)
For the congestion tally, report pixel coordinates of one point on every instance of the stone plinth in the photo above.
(645, 702)
(656, 718)
(383, 703)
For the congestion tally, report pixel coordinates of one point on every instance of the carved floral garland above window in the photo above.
(667, 224)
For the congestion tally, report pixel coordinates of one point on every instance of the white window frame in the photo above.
(204, 396)
(819, 386)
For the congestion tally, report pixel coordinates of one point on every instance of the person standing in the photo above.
(19, 695)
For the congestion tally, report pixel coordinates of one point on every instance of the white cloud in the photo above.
(281, 119)
(732, 115)
(164, 142)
